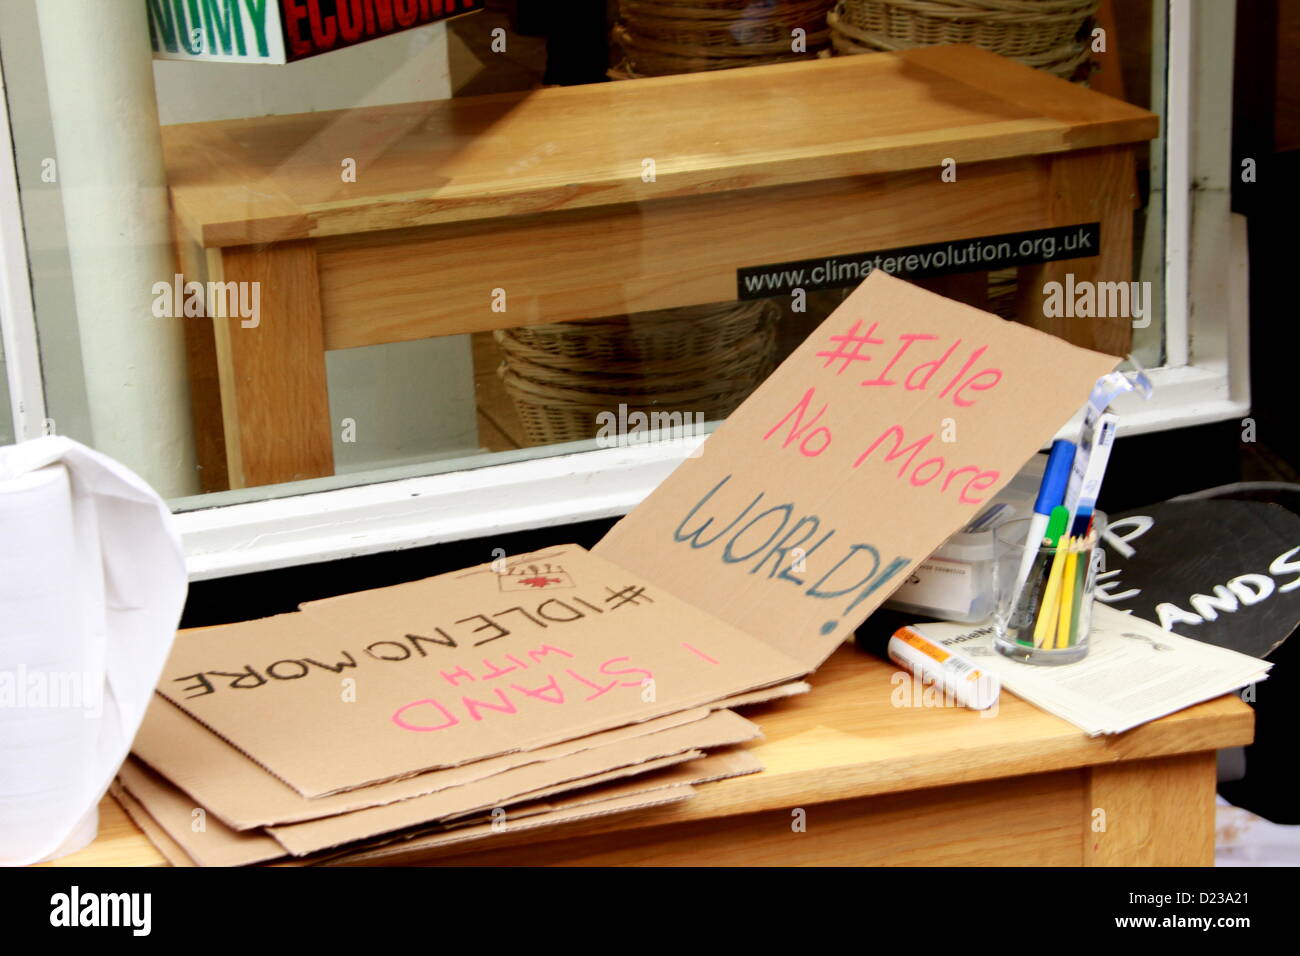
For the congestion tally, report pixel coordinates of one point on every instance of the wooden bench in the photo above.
(542, 194)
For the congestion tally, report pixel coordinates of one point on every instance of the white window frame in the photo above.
(22, 359)
(1205, 378)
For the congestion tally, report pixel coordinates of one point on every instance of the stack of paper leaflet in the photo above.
(1135, 672)
(565, 684)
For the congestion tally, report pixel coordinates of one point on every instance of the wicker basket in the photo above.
(1010, 27)
(701, 360)
(1043, 34)
(743, 30)
(659, 37)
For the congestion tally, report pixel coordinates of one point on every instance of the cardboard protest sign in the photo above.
(873, 442)
(702, 768)
(218, 845)
(393, 851)
(584, 805)
(242, 795)
(417, 708)
(718, 730)
(382, 684)
(210, 843)
(766, 695)
(141, 817)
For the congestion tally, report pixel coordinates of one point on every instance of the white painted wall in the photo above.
(6, 419)
(111, 179)
(42, 202)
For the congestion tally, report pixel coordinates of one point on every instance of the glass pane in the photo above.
(6, 415)
(521, 232)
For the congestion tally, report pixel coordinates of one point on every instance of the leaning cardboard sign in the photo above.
(898, 417)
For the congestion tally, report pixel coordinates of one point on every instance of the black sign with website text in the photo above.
(979, 254)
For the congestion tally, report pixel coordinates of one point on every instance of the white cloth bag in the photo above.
(92, 584)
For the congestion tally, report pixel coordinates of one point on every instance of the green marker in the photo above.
(1023, 613)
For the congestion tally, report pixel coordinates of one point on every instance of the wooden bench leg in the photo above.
(1091, 185)
(1157, 812)
(274, 401)
(204, 376)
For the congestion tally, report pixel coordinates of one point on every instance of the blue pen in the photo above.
(1050, 494)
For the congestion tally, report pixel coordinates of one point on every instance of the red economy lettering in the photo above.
(406, 11)
(294, 13)
(351, 20)
(324, 31)
(381, 10)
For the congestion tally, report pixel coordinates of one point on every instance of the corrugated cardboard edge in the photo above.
(169, 848)
(719, 729)
(216, 844)
(779, 692)
(557, 819)
(228, 810)
(734, 762)
(669, 772)
(707, 768)
(578, 783)
(781, 668)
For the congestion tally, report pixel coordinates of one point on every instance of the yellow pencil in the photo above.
(1045, 626)
(1066, 620)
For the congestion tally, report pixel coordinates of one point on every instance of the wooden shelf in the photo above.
(278, 178)
(541, 194)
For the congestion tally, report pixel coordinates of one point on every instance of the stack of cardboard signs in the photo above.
(566, 683)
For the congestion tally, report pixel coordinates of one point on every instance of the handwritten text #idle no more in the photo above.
(813, 437)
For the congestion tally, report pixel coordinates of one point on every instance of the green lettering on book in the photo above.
(257, 13)
(162, 27)
(224, 26)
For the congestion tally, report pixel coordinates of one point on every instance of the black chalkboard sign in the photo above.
(1221, 571)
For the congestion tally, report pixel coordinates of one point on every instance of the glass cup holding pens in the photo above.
(1043, 591)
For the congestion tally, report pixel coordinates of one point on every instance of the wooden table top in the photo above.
(235, 182)
(846, 739)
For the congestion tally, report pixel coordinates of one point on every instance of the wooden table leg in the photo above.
(1156, 812)
(274, 401)
(1090, 185)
